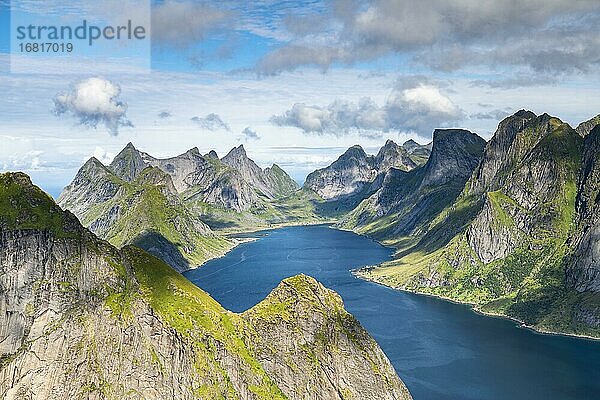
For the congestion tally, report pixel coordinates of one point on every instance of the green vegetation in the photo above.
(197, 316)
(151, 217)
(528, 283)
(25, 206)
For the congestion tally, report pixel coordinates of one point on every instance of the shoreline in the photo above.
(236, 241)
(473, 307)
(355, 272)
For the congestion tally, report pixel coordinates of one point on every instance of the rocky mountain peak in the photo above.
(355, 151)
(455, 154)
(410, 145)
(194, 151)
(128, 163)
(586, 127)
(390, 143)
(236, 152)
(93, 164)
(392, 155)
(270, 182)
(501, 149)
(212, 154)
(25, 206)
(238, 159)
(346, 176)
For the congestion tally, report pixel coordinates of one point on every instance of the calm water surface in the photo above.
(441, 350)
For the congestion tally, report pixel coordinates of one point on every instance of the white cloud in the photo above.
(183, 23)
(418, 109)
(94, 101)
(540, 35)
(28, 161)
(105, 157)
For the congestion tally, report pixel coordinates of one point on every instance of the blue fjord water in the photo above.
(440, 349)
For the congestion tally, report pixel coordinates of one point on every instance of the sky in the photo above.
(295, 82)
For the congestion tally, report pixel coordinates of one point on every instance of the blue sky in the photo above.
(306, 78)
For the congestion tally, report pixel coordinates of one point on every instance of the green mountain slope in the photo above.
(166, 205)
(87, 320)
(145, 211)
(506, 243)
(407, 201)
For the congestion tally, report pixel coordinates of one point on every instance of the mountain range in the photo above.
(515, 235)
(92, 304)
(509, 225)
(181, 208)
(160, 204)
(80, 318)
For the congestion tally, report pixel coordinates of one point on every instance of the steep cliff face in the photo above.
(408, 201)
(93, 184)
(584, 271)
(392, 155)
(235, 182)
(519, 240)
(128, 163)
(81, 319)
(146, 212)
(354, 176)
(350, 174)
(325, 340)
(272, 182)
(532, 190)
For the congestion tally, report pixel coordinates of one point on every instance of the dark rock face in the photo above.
(412, 199)
(80, 318)
(500, 153)
(455, 154)
(392, 155)
(584, 273)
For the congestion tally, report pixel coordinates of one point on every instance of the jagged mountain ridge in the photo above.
(152, 203)
(145, 211)
(408, 200)
(355, 175)
(509, 243)
(234, 181)
(87, 319)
